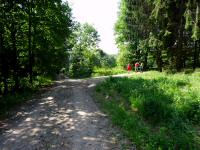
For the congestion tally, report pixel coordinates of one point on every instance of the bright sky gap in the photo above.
(102, 14)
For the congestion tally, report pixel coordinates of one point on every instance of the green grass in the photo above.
(156, 111)
(11, 100)
(107, 71)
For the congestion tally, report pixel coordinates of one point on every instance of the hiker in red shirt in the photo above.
(137, 65)
(129, 67)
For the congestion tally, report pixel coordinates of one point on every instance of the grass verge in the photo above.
(107, 71)
(156, 111)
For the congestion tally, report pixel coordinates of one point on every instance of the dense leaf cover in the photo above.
(33, 40)
(161, 33)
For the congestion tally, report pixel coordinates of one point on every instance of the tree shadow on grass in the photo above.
(153, 107)
(149, 97)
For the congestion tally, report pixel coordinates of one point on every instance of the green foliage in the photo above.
(157, 111)
(108, 61)
(193, 21)
(85, 54)
(80, 65)
(33, 37)
(159, 31)
(131, 28)
(124, 58)
(84, 51)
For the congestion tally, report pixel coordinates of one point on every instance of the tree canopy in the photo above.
(33, 37)
(162, 34)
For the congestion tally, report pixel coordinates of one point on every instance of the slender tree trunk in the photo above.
(197, 41)
(5, 75)
(29, 44)
(184, 58)
(4, 65)
(3, 60)
(179, 59)
(145, 60)
(195, 55)
(159, 60)
(33, 44)
(15, 58)
(198, 52)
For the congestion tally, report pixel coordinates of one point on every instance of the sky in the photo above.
(102, 14)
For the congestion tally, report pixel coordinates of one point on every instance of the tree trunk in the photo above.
(5, 77)
(3, 59)
(33, 45)
(4, 65)
(159, 60)
(15, 57)
(29, 44)
(179, 62)
(179, 59)
(145, 61)
(198, 52)
(195, 56)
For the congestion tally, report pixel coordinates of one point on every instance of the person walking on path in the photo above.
(129, 67)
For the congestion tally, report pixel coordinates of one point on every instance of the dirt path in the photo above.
(64, 118)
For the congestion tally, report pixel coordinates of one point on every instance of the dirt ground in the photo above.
(64, 118)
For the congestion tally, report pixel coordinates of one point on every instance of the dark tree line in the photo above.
(161, 32)
(33, 40)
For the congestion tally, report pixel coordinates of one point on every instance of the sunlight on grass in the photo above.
(155, 110)
(108, 71)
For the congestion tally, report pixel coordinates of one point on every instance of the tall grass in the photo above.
(156, 111)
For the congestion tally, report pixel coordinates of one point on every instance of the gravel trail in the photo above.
(64, 118)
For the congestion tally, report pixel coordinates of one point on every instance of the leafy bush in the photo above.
(80, 71)
(191, 110)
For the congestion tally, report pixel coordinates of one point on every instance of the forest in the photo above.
(164, 34)
(40, 42)
(39, 39)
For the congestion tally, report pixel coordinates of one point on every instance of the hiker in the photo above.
(137, 65)
(129, 67)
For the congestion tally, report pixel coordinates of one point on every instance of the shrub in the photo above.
(80, 71)
(191, 110)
